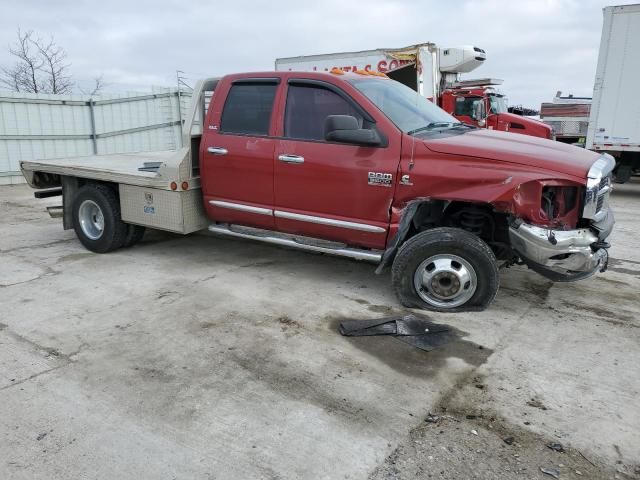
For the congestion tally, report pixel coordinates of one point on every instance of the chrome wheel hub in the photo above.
(91, 219)
(445, 281)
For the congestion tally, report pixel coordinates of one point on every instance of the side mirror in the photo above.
(479, 113)
(345, 129)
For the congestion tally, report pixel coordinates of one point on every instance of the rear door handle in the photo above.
(290, 158)
(217, 150)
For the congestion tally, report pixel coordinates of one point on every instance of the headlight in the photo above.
(596, 198)
(553, 203)
(558, 201)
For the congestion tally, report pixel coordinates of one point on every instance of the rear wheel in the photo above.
(445, 269)
(133, 236)
(96, 218)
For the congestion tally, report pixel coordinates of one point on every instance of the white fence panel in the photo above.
(35, 126)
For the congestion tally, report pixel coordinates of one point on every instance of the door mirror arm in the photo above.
(479, 114)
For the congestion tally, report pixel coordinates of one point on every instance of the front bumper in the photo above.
(563, 255)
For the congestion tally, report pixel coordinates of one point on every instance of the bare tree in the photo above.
(40, 66)
(25, 75)
(99, 84)
(13, 77)
(54, 67)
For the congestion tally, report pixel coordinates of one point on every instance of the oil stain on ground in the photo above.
(411, 361)
(384, 309)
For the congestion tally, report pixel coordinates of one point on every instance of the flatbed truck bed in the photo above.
(158, 189)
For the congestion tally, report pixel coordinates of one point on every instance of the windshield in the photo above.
(498, 104)
(406, 108)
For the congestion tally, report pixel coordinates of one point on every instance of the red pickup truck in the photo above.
(359, 165)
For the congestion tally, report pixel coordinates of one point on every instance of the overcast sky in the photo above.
(536, 46)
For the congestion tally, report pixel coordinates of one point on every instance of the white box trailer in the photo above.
(436, 66)
(614, 121)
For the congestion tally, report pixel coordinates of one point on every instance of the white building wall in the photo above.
(36, 126)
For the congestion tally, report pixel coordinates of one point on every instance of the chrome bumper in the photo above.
(573, 254)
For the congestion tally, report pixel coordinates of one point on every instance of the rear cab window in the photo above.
(248, 107)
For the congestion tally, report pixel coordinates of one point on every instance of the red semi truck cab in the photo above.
(482, 106)
(357, 165)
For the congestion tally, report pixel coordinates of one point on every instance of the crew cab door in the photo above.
(237, 151)
(330, 190)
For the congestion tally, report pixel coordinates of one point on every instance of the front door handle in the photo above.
(290, 158)
(217, 150)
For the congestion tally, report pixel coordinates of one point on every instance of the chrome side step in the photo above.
(296, 241)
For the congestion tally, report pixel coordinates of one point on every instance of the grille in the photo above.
(605, 182)
(603, 194)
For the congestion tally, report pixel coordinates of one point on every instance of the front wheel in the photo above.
(445, 269)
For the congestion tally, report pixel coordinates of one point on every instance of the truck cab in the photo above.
(481, 105)
(364, 162)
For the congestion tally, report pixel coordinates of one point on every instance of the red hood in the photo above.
(512, 117)
(533, 127)
(520, 149)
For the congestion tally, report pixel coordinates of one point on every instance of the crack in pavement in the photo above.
(49, 272)
(51, 351)
(41, 245)
(35, 375)
(65, 359)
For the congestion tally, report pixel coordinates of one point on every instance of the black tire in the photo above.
(446, 241)
(133, 236)
(113, 232)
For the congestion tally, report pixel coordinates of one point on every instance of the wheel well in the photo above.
(481, 219)
(46, 180)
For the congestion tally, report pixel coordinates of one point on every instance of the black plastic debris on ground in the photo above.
(410, 329)
(556, 446)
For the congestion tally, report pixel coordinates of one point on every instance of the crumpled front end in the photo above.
(569, 255)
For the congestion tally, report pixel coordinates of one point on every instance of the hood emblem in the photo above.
(405, 180)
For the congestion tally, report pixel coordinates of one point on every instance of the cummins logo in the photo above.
(382, 179)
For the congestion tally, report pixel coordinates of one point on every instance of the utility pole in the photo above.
(178, 80)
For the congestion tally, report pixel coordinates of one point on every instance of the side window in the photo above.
(247, 110)
(464, 105)
(307, 108)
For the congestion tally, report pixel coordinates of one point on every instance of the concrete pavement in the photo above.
(203, 357)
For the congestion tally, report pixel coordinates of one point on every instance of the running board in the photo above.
(294, 241)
